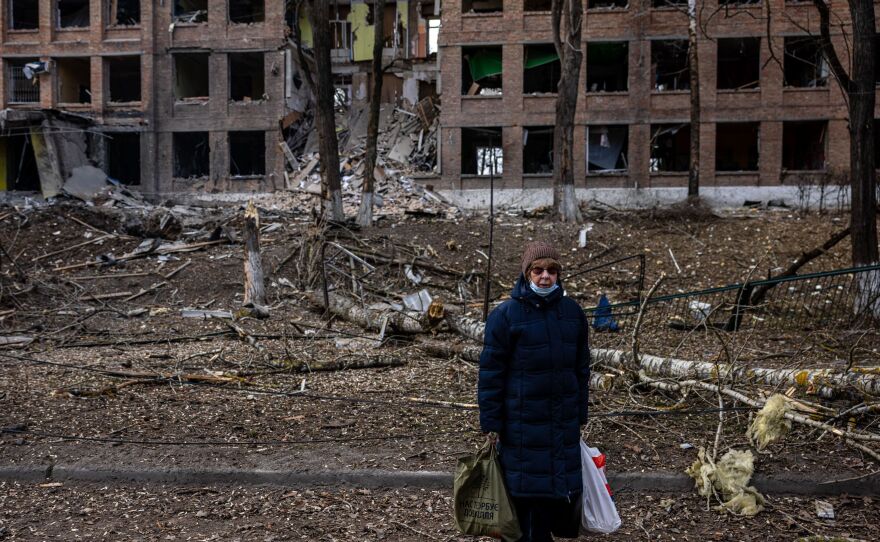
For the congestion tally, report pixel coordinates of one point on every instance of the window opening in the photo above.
(541, 69)
(803, 145)
(72, 13)
(607, 148)
(23, 85)
(74, 80)
(481, 151)
(125, 12)
(124, 73)
(247, 80)
(608, 67)
(21, 164)
(481, 71)
(607, 4)
(670, 147)
(669, 65)
(538, 150)
(24, 15)
(481, 6)
(736, 146)
(191, 76)
(538, 5)
(804, 65)
(247, 154)
(124, 157)
(190, 11)
(739, 63)
(433, 36)
(247, 11)
(668, 3)
(191, 155)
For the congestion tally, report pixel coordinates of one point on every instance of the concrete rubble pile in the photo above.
(407, 148)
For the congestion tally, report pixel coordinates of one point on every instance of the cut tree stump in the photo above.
(254, 286)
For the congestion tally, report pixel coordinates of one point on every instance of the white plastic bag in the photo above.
(599, 513)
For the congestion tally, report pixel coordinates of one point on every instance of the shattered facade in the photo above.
(768, 119)
(182, 95)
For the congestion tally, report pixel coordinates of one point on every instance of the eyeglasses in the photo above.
(538, 271)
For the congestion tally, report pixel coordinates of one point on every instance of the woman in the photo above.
(533, 394)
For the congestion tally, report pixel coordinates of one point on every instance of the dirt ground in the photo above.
(269, 414)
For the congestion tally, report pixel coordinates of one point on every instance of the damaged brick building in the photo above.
(769, 119)
(179, 95)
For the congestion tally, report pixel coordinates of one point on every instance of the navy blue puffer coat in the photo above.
(533, 390)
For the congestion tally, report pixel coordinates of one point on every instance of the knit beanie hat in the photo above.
(535, 251)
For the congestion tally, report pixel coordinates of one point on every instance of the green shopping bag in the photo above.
(482, 505)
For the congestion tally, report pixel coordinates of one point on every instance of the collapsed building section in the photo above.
(247, 78)
(608, 66)
(23, 15)
(481, 71)
(670, 147)
(804, 145)
(607, 147)
(541, 69)
(670, 69)
(72, 13)
(124, 12)
(247, 154)
(538, 150)
(192, 155)
(739, 63)
(124, 157)
(804, 65)
(124, 79)
(481, 151)
(736, 146)
(191, 76)
(74, 80)
(247, 11)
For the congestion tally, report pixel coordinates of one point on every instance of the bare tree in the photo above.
(694, 70)
(567, 17)
(365, 211)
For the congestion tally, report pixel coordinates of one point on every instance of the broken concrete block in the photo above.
(86, 183)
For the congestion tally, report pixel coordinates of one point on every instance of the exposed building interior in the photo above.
(247, 79)
(23, 15)
(538, 150)
(19, 172)
(72, 13)
(124, 12)
(736, 146)
(670, 147)
(124, 75)
(191, 76)
(190, 11)
(804, 65)
(74, 80)
(607, 4)
(803, 145)
(247, 154)
(481, 71)
(482, 6)
(669, 65)
(668, 3)
(247, 11)
(192, 155)
(608, 66)
(739, 63)
(607, 147)
(123, 157)
(541, 69)
(537, 5)
(481, 152)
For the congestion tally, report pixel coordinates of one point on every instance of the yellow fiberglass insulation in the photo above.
(727, 479)
(770, 423)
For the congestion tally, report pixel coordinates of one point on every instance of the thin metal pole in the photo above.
(491, 233)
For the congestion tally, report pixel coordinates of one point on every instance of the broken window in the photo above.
(537, 5)
(124, 12)
(481, 152)
(191, 155)
(669, 65)
(124, 157)
(670, 147)
(804, 65)
(24, 15)
(340, 28)
(247, 154)
(607, 148)
(542, 69)
(21, 163)
(481, 6)
(72, 13)
(23, 86)
(124, 74)
(433, 36)
(190, 11)
(803, 145)
(74, 80)
(608, 66)
(247, 11)
(736, 146)
(247, 81)
(538, 150)
(191, 76)
(607, 4)
(739, 63)
(668, 3)
(481, 71)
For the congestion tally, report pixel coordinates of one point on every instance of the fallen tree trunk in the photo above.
(404, 321)
(825, 381)
(350, 361)
(469, 328)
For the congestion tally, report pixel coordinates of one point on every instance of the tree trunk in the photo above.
(365, 212)
(567, 17)
(328, 144)
(693, 65)
(404, 321)
(254, 286)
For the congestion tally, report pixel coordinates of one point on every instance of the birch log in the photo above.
(825, 381)
(254, 287)
(469, 328)
(404, 321)
(351, 361)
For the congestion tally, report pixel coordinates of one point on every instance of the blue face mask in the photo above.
(542, 291)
